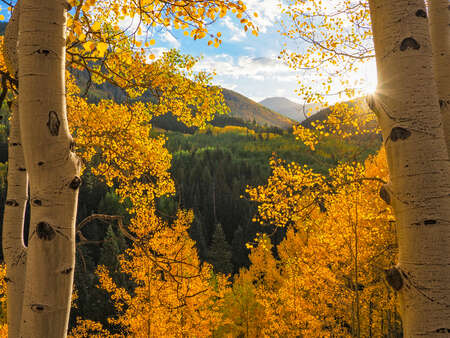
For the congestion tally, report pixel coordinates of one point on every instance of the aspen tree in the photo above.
(411, 44)
(407, 106)
(17, 196)
(52, 167)
(39, 36)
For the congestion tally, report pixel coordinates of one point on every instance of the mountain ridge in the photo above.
(294, 111)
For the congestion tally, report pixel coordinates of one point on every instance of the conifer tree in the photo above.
(219, 252)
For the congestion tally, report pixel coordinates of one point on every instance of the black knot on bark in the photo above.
(384, 195)
(22, 169)
(12, 203)
(43, 51)
(75, 184)
(40, 163)
(53, 123)
(443, 330)
(429, 222)
(38, 307)
(399, 133)
(37, 202)
(421, 13)
(15, 144)
(409, 43)
(45, 232)
(67, 271)
(394, 278)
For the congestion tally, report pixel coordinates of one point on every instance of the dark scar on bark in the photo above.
(421, 13)
(384, 194)
(37, 307)
(394, 278)
(443, 330)
(22, 169)
(429, 222)
(53, 123)
(15, 144)
(45, 232)
(40, 163)
(75, 184)
(66, 271)
(43, 51)
(409, 43)
(12, 203)
(399, 133)
(37, 202)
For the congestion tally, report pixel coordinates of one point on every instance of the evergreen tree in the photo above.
(219, 253)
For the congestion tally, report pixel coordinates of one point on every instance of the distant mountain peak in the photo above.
(290, 109)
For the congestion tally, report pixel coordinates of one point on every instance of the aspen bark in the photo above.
(407, 106)
(53, 169)
(439, 18)
(13, 245)
(13, 221)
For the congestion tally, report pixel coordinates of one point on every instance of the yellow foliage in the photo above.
(3, 323)
(328, 280)
(227, 129)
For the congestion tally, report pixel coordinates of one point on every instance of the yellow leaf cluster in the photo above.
(327, 279)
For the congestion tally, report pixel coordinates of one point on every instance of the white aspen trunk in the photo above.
(439, 17)
(53, 169)
(408, 111)
(12, 237)
(13, 221)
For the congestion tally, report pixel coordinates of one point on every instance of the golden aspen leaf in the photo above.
(102, 47)
(89, 46)
(152, 42)
(96, 26)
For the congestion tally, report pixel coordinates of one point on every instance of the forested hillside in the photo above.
(240, 106)
(141, 199)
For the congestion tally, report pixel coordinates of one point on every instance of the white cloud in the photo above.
(257, 68)
(268, 12)
(168, 37)
(237, 33)
(255, 77)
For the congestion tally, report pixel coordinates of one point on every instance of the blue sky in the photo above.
(249, 64)
(243, 62)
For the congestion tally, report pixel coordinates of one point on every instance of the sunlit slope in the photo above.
(249, 110)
